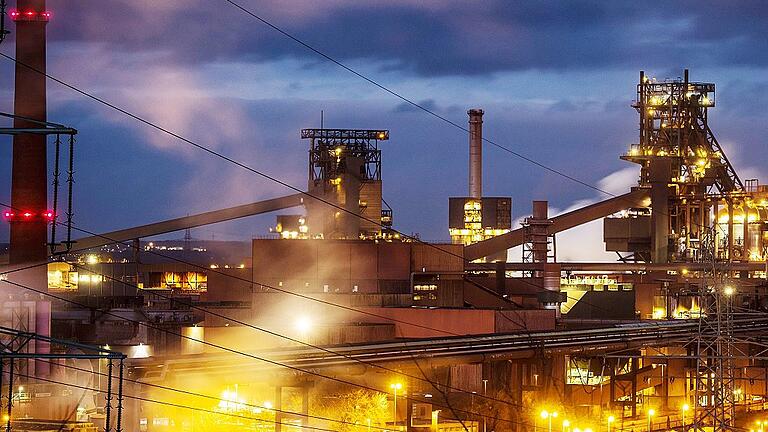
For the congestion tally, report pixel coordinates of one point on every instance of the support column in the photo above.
(660, 171)
(747, 246)
(305, 406)
(278, 408)
(664, 387)
(612, 388)
(730, 230)
(10, 395)
(633, 398)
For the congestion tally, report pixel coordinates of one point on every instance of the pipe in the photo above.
(475, 153)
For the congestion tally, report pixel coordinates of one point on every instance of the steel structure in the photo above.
(326, 147)
(22, 215)
(191, 221)
(451, 349)
(636, 198)
(345, 170)
(693, 185)
(12, 353)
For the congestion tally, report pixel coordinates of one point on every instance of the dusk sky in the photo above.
(555, 79)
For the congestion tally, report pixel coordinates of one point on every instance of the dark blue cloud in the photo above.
(457, 38)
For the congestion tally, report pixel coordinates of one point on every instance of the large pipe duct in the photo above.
(29, 184)
(475, 153)
(636, 198)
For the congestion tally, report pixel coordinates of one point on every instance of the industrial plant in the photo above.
(336, 320)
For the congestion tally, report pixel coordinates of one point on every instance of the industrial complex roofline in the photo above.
(636, 198)
(192, 221)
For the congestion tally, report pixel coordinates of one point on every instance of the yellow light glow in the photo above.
(729, 290)
(336, 181)
(268, 405)
(686, 407)
(6, 418)
(651, 412)
(659, 313)
(566, 423)
(396, 386)
(544, 414)
(611, 419)
(303, 324)
(92, 259)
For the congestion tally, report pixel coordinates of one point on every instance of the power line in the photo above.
(523, 324)
(237, 352)
(176, 405)
(205, 396)
(408, 100)
(287, 185)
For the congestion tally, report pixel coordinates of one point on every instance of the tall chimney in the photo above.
(29, 184)
(475, 153)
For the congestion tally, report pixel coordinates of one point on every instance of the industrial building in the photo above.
(669, 336)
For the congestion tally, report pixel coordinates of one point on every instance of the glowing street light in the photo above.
(685, 408)
(651, 413)
(566, 424)
(611, 419)
(395, 387)
(303, 325)
(729, 290)
(548, 416)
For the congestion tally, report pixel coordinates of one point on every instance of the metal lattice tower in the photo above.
(714, 402)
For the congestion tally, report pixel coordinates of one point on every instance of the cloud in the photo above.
(433, 38)
(408, 108)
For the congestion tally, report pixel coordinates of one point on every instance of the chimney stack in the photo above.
(475, 153)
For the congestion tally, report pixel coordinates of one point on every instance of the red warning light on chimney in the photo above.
(29, 15)
(29, 216)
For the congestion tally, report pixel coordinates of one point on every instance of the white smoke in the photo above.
(585, 242)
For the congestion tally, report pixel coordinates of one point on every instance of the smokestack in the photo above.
(29, 184)
(475, 153)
